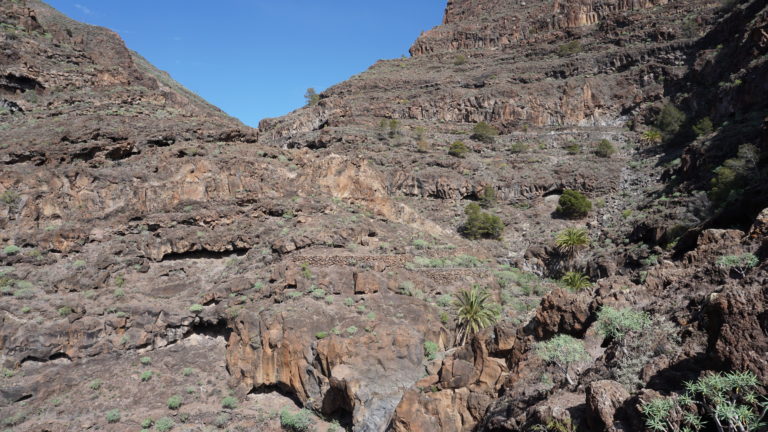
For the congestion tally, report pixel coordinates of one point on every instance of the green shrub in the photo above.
(738, 263)
(300, 421)
(569, 48)
(652, 136)
(618, 323)
(734, 175)
(113, 416)
(406, 288)
(430, 350)
(729, 399)
(229, 402)
(573, 149)
(351, 330)
(656, 337)
(187, 371)
(321, 335)
(444, 317)
(419, 133)
(605, 149)
(703, 127)
(119, 293)
(145, 360)
(484, 132)
(9, 197)
(460, 60)
(95, 384)
(518, 147)
(488, 197)
(573, 204)
(146, 376)
(221, 420)
(65, 311)
(394, 128)
(669, 120)
(318, 293)
(164, 424)
(147, 423)
(174, 402)
(562, 351)
(445, 300)
(480, 224)
(458, 149)
(196, 308)
(11, 250)
(575, 281)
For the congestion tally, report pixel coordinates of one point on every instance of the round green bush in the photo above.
(573, 204)
(484, 132)
(458, 149)
(605, 149)
(164, 424)
(229, 402)
(113, 416)
(174, 402)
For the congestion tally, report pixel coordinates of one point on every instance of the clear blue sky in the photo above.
(256, 58)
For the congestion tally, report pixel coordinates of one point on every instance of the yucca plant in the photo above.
(576, 281)
(571, 240)
(474, 312)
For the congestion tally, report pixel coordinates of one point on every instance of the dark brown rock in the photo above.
(562, 311)
(604, 398)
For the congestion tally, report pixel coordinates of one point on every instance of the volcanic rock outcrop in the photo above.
(163, 265)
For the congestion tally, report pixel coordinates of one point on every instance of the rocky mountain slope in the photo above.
(165, 267)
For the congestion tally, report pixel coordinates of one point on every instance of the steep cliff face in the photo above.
(79, 86)
(501, 25)
(154, 248)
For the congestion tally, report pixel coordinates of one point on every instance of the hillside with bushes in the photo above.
(551, 217)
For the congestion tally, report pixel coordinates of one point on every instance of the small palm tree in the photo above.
(474, 312)
(571, 240)
(652, 136)
(576, 281)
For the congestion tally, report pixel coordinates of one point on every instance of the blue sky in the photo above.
(256, 58)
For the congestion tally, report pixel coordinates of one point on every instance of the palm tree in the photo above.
(571, 240)
(576, 281)
(652, 136)
(474, 312)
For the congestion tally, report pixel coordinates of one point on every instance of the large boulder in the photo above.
(562, 311)
(738, 327)
(604, 399)
(333, 359)
(466, 384)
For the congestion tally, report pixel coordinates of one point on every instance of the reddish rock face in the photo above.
(499, 24)
(315, 261)
(562, 312)
(457, 397)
